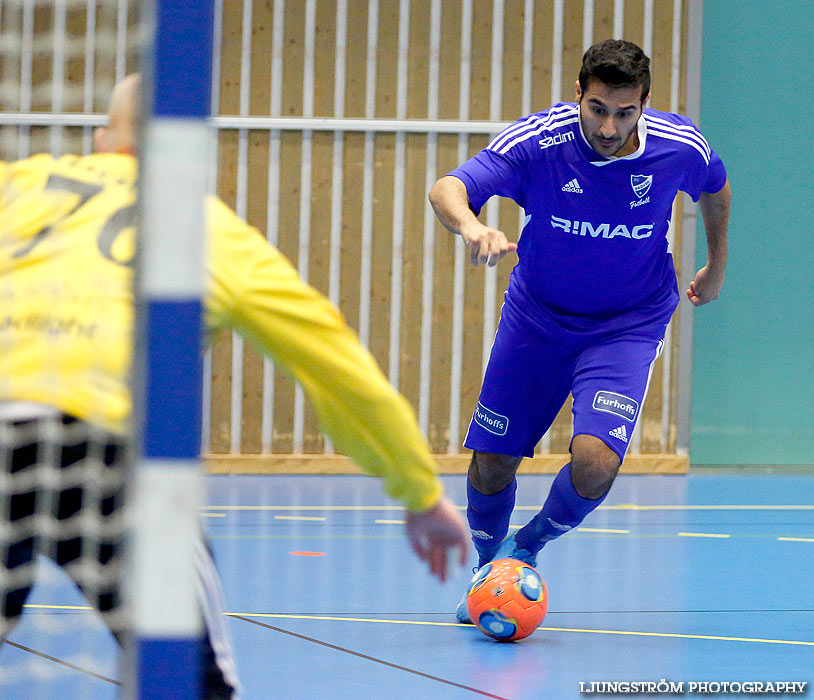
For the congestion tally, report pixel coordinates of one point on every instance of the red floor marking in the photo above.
(308, 554)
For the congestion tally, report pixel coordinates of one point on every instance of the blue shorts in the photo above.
(530, 374)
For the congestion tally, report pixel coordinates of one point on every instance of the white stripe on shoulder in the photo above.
(672, 136)
(689, 133)
(684, 134)
(680, 127)
(514, 128)
(530, 123)
(683, 129)
(567, 119)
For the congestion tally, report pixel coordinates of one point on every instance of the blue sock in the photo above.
(489, 519)
(564, 509)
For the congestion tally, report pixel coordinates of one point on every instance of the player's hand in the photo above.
(706, 286)
(437, 534)
(486, 245)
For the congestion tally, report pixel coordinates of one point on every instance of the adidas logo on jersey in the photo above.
(572, 186)
(619, 433)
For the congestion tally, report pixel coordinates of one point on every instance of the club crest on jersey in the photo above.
(641, 186)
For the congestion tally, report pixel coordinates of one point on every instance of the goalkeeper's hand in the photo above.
(438, 536)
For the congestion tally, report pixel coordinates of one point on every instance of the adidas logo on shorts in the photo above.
(557, 526)
(572, 186)
(619, 433)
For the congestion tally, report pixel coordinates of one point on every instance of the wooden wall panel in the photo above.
(634, 21)
(450, 61)
(320, 245)
(603, 20)
(411, 201)
(571, 48)
(412, 198)
(509, 222)
(289, 203)
(40, 93)
(512, 83)
(75, 26)
(661, 56)
(472, 371)
(542, 42)
(256, 205)
(42, 63)
(481, 61)
(418, 60)
(382, 251)
(220, 416)
(104, 58)
(443, 307)
(682, 93)
(661, 68)
(351, 228)
(356, 60)
(447, 464)
(257, 98)
(293, 58)
(230, 64)
(302, 193)
(684, 312)
(387, 44)
(650, 421)
(324, 58)
(11, 23)
(412, 269)
(260, 59)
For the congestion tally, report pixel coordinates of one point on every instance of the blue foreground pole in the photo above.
(166, 492)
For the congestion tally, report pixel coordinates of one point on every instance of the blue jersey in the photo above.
(593, 254)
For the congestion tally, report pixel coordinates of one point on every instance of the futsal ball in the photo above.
(507, 600)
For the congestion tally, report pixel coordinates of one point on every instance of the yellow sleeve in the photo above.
(254, 289)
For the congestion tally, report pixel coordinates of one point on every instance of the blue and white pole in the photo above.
(167, 485)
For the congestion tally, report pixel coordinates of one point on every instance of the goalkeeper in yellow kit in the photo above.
(67, 242)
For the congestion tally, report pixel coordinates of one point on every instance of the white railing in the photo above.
(62, 98)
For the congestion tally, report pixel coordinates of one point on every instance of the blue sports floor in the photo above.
(707, 577)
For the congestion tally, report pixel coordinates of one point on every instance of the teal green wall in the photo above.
(753, 371)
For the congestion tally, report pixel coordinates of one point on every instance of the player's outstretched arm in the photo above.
(710, 279)
(451, 204)
(254, 289)
(438, 537)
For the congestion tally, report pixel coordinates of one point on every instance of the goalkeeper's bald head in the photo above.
(119, 136)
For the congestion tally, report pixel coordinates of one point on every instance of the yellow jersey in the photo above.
(67, 244)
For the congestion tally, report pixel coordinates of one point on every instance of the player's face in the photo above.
(609, 116)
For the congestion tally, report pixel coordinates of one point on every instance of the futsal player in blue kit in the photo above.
(592, 292)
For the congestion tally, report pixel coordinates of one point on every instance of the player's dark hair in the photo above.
(617, 63)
